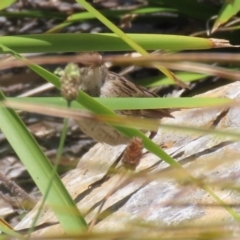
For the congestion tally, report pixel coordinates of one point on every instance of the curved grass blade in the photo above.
(130, 42)
(191, 8)
(79, 17)
(7, 229)
(159, 81)
(230, 8)
(6, 3)
(40, 168)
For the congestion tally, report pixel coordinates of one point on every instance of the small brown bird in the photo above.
(97, 81)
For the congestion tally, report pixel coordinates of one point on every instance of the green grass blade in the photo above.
(7, 229)
(118, 120)
(79, 17)
(100, 42)
(129, 41)
(112, 27)
(40, 168)
(229, 9)
(51, 179)
(191, 8)
(6, 3)
(159, 81)
(119, 13)
(133, 103)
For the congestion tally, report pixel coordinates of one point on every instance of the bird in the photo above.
(98, 81)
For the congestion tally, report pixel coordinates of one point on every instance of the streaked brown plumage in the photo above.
(97, 81)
